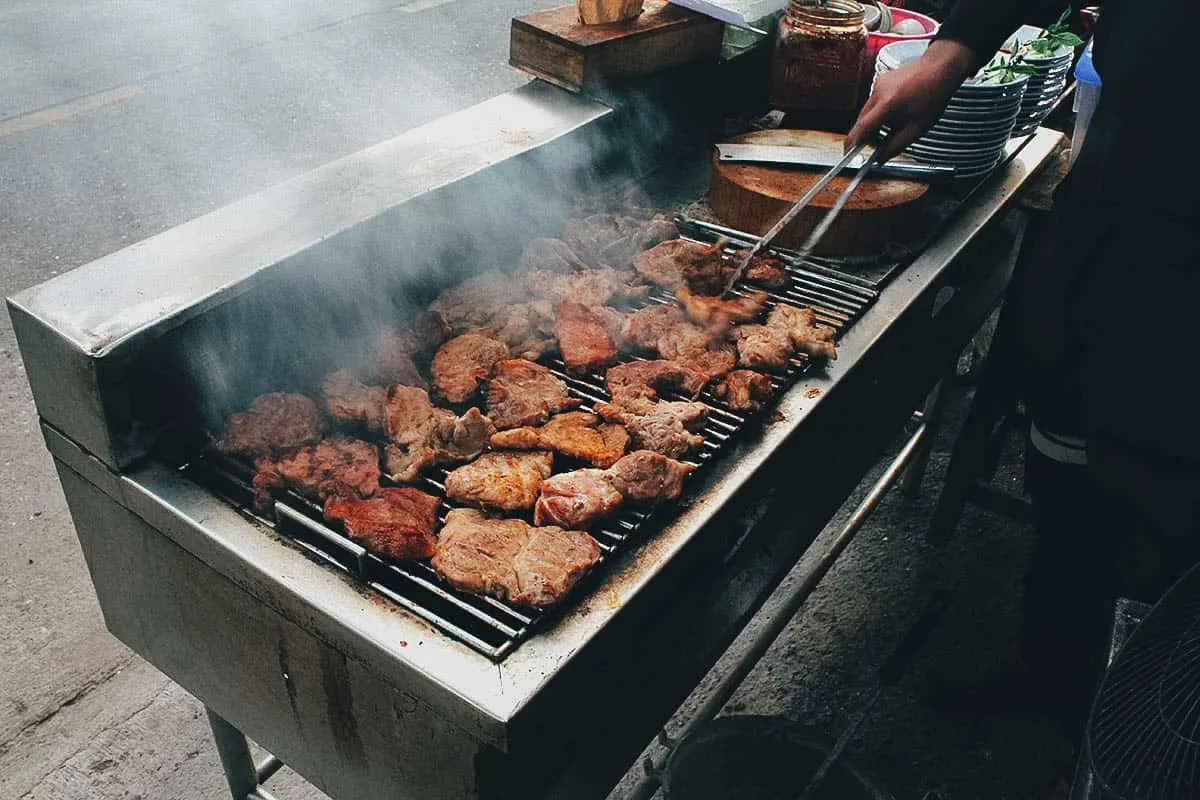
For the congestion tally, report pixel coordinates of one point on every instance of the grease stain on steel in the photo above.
(339, 705)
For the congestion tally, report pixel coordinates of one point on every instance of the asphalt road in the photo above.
(120, 119)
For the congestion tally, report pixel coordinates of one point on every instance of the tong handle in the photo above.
(795, 210)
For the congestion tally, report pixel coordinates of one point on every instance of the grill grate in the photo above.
(487, 625)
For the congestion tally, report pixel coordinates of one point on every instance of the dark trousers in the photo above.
(1118, 526)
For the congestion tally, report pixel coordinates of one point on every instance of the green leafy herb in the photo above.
(1001, 70)
(1050, 40)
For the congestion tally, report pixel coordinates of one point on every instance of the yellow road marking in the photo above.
(74, 108)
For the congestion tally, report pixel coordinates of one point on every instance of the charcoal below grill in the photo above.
(493, 627)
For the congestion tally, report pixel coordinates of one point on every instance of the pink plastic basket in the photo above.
(877, 41)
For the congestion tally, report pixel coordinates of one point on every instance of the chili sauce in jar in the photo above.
(820, 49)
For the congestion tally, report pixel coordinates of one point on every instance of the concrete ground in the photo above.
(119, 120)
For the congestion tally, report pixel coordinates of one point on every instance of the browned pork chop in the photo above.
(576, 499)
(463, 362)
(339, 467)
(501, 480)
(510, 560)
(347, 399)
(645, 476)
(399, 523)
(576, 434)
(274, 422)
(744, 390)
(524, 393)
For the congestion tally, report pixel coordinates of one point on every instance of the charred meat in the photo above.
(339, 467)
(716, 312)
(767, 272)
(524, 393)
(463, 362)
(501, 480)
(575, 434)
(511, 560)
(422, 436)
(593, 288)
(347, 399)
(744, 390)
(763, 347)
(664, 427)
(666, 263)
(553, 255)
(576, 499)
(807, 335)
(645, 476)
(583, 337)
(650, 378)
(274, 422)
(397, 523)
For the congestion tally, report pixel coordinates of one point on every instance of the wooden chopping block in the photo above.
(558, 47)
(752, 197)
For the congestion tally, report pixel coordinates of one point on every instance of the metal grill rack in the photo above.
(489, 626)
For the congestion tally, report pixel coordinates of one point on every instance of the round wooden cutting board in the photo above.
(751, 197)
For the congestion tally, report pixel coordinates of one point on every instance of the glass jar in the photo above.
(820, 49)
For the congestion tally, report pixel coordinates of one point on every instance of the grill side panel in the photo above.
(347, 730)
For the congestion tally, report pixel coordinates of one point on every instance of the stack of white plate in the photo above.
(971, 134)
(1046, 86)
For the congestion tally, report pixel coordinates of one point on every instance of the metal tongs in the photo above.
(815, 237)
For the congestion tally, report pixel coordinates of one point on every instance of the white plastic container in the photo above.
(1087, 96)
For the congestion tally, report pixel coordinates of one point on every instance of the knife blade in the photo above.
(800, 156)
(800, 205)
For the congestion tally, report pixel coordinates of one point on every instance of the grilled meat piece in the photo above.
(506, 481)
(524, 393)
(423, 435)
(763, 347)
(593, 288)
(575, 434)
(699, 350)
(527, 328)
(718, 312)
(553, 255)
(664, 427)
(744, 390)
(339, 467)
(274, 422)
(614, 239)
(807, 335)
(347, 399)
(710, 275)
(510, 560)
(645, 476)
(397, 523)
(666, 331)
(576, 499)
(583, 337)
(665, 263)
(767, 272)
(549, 565)
(476, 301)
(645, 327)
(464, 361)
(649, 378)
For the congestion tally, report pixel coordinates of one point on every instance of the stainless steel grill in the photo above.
(344, 673)
(488, 625)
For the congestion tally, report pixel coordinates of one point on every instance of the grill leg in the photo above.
(243, 776)
(931, 417)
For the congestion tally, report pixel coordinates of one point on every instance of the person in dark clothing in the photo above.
(1103, 307)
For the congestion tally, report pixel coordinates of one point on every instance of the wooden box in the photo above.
(555, 46)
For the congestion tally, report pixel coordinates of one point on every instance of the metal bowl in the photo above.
(758, 758)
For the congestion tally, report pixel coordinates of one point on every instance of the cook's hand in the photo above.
(910, 99)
